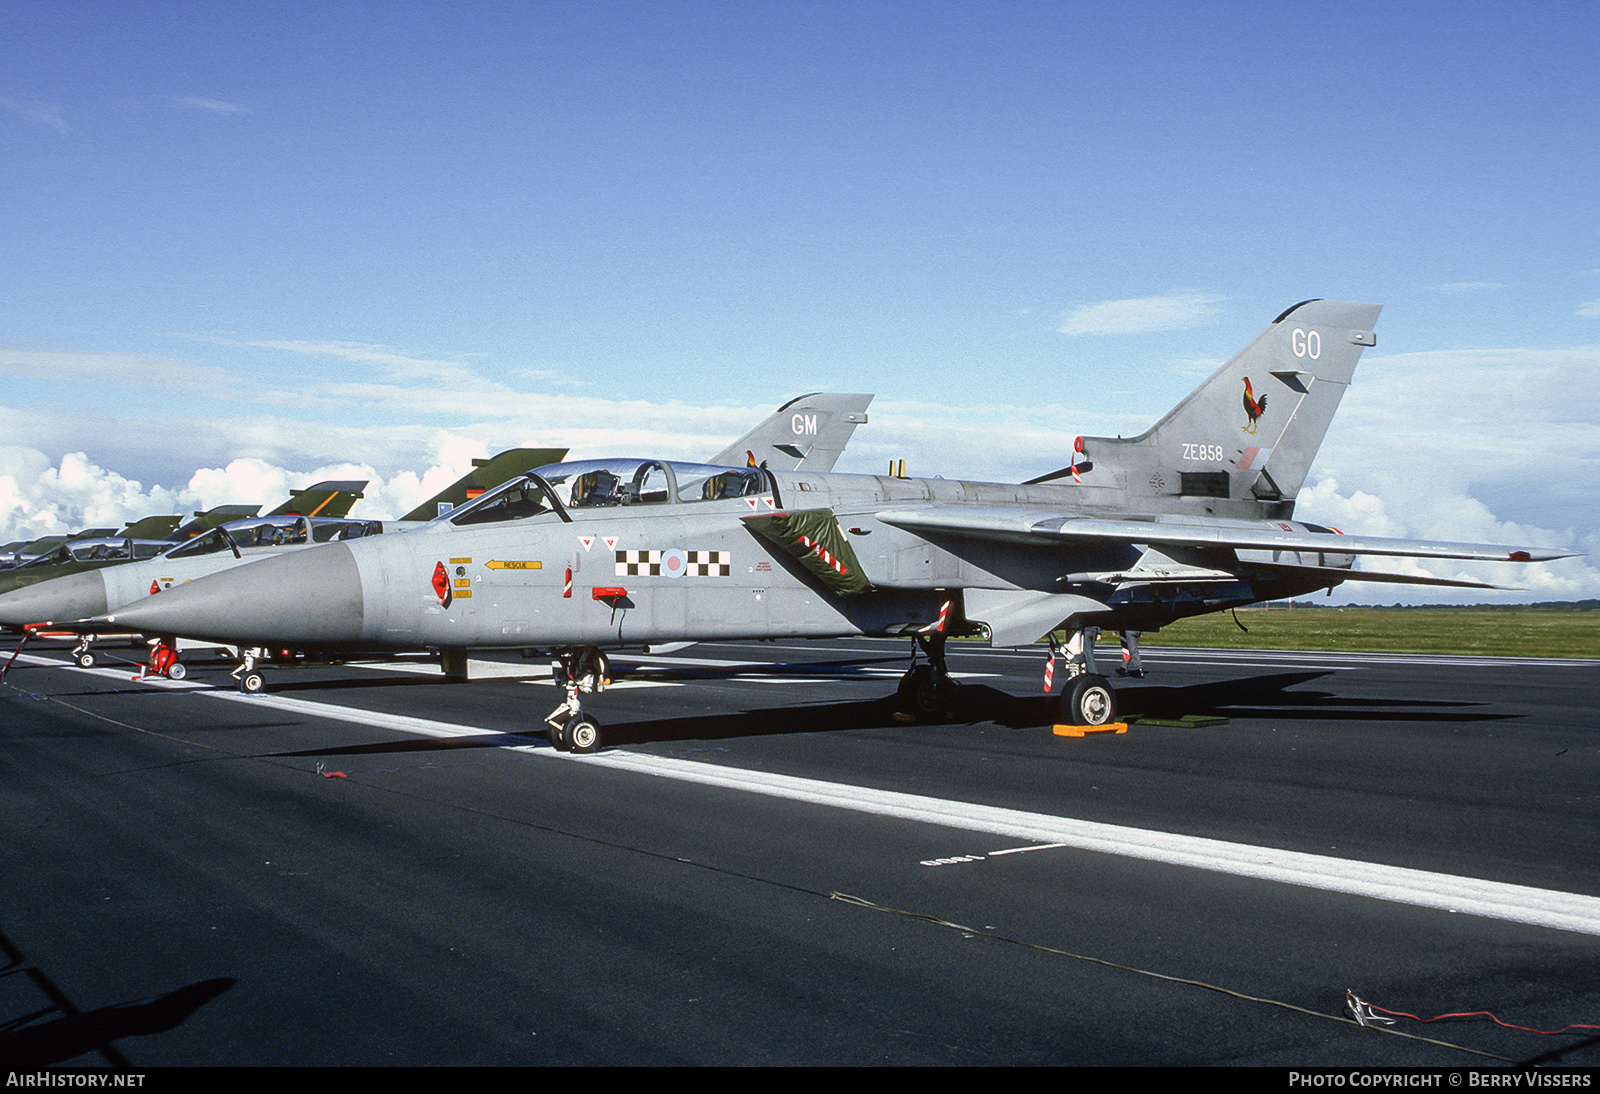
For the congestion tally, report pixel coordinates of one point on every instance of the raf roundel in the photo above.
(674, 563)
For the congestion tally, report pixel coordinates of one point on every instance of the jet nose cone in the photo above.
(310, 597)
(59, 600)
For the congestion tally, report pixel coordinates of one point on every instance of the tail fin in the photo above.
(808, 432)
(322, 499)
(485, 475)
(158, 527)
(1242, 442)
(204, 522)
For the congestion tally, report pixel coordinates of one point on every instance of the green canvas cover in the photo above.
(813, 536)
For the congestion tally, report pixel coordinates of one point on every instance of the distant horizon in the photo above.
(1541, 605)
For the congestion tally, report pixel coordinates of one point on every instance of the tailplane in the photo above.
(1241, 443)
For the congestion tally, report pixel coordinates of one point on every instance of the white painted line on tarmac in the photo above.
(1025, 850)
(476, 670)
(1419, 888)
(1496, 900)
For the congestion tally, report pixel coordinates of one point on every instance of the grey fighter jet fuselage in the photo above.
(1193, 516)
(821, 423)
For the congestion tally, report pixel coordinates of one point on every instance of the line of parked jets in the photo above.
(763, 541)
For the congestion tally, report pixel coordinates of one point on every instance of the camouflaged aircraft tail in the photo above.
(204, 522)
(1242, 442)
(323, 499)
(484, 476)
(158, 527)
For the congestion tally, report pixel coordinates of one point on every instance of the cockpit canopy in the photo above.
(564, 488)
(282, 531)
(100, 550)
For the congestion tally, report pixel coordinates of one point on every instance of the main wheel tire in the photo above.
(251, 683)
(925, 694)
(557, 738)
(1089, 701)
(176, 671)
(910, 684)
(936, 696)
(584, 735)
(85, 660)
(907, 687)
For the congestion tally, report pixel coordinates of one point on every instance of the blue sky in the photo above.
(247, 245)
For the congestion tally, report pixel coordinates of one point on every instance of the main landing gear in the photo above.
(577, 671)
(927, 693)
(1088, 699)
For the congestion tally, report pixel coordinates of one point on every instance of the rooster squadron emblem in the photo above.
(1253, 407)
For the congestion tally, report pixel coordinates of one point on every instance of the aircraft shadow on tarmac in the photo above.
(666, 674)
(1256, 697)
(1268, 696)
(38, 1040)
(280, 686)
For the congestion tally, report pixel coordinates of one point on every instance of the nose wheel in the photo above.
(570, 730)
(579, 734)
(251, 682)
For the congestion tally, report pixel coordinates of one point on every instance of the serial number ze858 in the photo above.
(1207, 453)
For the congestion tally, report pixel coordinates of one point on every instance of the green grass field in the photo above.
(1509, 632)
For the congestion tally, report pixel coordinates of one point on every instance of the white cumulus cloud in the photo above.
(1481, 446)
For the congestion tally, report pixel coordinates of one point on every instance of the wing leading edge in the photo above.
(1019, 525)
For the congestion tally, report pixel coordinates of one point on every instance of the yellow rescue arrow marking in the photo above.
(502, 564)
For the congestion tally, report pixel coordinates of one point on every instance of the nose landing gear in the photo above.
(577, 671)
(250, 679)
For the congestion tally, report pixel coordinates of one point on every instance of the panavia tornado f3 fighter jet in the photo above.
(152, 536)
(1193, 516)
(810, 431)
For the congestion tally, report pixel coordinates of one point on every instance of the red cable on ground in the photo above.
(1368, 1012)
